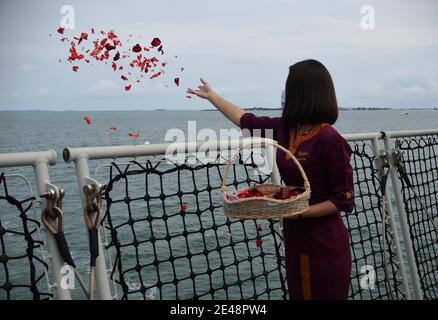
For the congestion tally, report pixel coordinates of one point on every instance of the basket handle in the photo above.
(266, 142)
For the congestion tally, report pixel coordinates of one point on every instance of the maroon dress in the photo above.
(318, 258)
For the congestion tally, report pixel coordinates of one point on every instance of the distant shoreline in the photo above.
(341, 109)
(247, 109)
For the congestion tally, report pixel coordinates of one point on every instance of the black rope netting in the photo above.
(365, 227)
(172, 240)
(163, 252)
(21, 270)
(420, 160)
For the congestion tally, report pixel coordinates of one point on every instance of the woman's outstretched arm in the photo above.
(229, 110)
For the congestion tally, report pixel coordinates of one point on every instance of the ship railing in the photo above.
(393, 234)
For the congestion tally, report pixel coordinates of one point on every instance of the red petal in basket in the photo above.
(284, 194)
(259, 243)
(249, 193)
(183, 207)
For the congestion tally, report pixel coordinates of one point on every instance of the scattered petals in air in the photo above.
(113, 129)
(188, 97)
(87, 120)
(183, 207)
(259, 243)
(94, 46)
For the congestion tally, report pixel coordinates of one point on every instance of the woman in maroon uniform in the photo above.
(318, 258)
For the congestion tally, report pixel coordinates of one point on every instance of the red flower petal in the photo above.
(134, 135)
(188, 97)
(113, 129)
(136, 48)
(182, 69)
(75, 68)
(155, 42)
(124, 78)
(114, 66)
(61, 30)
(109, 47)
(87, 119)
(155, 75)
(84, 35)
(183, 207)
(176, 80)
(258, 229)
(116, 56)
(92, 30)
(259, 243)
(128, 87)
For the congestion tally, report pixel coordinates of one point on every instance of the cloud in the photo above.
(44, 92)
(26, 67)
(102, 85)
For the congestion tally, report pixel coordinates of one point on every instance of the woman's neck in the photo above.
(303, 128)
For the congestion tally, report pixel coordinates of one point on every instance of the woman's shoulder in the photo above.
(250, 120)
(329, 135)
(331, 138)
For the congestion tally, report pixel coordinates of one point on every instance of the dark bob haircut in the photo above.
(310, 95)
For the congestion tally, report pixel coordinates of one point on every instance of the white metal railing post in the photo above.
(40, 161)
(42, 179)
(395, 236)
(413, 270)
(101, 274)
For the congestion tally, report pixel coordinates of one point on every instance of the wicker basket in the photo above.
(265, 207)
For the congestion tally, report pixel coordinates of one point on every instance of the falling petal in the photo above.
(176, 80)
(155, 75)
(87, 120)
(75, 68)
(136, 48)
(155, 42)
(128, 87)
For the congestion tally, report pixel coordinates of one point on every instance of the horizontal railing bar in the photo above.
(411, 133)
(21, 159)
(94, 153)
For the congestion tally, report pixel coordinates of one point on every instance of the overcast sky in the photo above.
(243, 47)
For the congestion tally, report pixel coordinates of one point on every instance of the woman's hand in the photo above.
(231, 111)
(205, 91)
